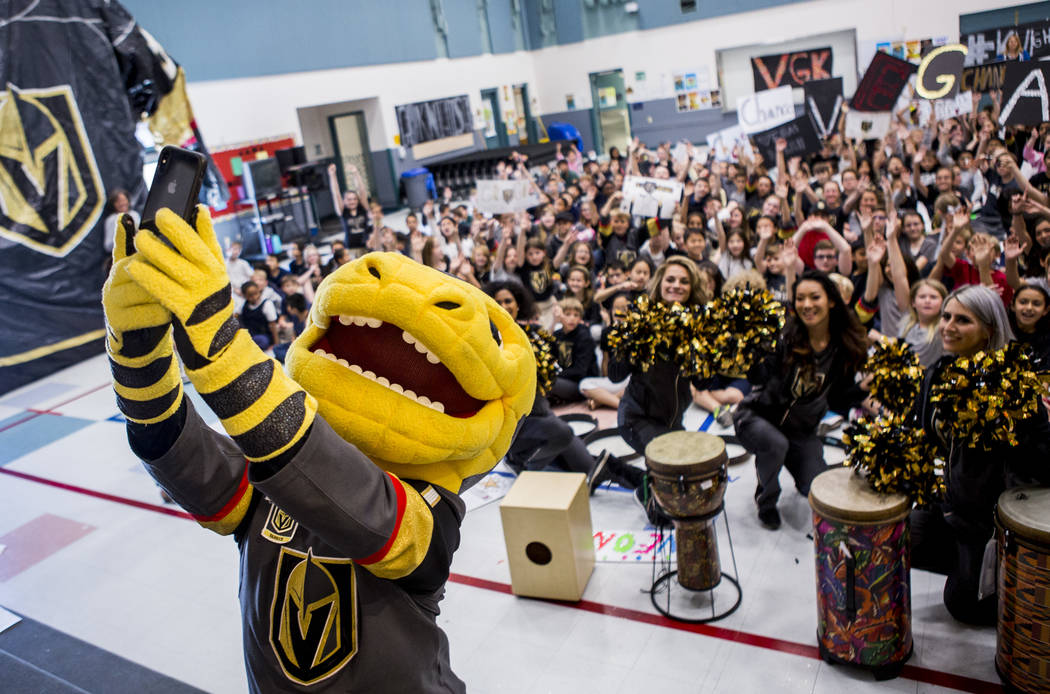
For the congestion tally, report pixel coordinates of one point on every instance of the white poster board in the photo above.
(722, 143)
(500, 197)
(650, 197)
(868, 126)
(766, 109)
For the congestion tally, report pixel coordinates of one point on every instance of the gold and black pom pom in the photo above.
(654, 331)
(742, 326)
(896, 376)
(895, 457)
(547, 366)
(982, 399)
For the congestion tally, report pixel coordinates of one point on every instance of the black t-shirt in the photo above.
(1041, 182)
(358, 227)
(538, 279)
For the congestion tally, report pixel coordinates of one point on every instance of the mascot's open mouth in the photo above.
(394, 358)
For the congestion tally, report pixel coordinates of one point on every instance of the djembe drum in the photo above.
(687, 470)
(1022, 655)
(863, 559)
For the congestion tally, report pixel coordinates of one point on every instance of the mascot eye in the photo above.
(374, 271)
(447, 305)
(495, 334)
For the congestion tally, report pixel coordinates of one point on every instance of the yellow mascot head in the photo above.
(424, 373)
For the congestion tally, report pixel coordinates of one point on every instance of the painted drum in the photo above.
(687, 470)
(1022, 655)
(863, 561)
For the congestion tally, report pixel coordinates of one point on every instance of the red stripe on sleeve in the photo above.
(399, 489)
(242, 488)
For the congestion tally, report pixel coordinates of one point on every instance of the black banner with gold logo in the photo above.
(74, 79)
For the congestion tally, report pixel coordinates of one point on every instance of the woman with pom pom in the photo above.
(656, 398)
(951, 537)
(813, 368)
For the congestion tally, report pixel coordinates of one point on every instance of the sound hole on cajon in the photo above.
(538, 553)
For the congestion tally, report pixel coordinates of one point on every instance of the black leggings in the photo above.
(546, 441)
(938, 547)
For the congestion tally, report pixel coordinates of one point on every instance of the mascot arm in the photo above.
(202, 470)
(265, 412)
(145, 372)
(395, 529)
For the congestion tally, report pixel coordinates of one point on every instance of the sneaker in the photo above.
(770, 518)
(827, 425)
(725, 416)
(653, 513)
(600, 473)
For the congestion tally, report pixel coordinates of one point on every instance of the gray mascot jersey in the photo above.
(315, 618)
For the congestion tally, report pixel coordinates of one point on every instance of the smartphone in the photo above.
(176, 185)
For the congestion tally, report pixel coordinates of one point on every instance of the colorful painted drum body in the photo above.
(688, 481)
(1022, 654)
(863, 562)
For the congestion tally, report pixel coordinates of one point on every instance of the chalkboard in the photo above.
(424, 121)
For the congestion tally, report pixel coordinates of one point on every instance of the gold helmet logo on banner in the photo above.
(51, 192)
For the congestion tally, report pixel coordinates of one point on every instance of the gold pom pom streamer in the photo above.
(982, 399)
(547, 366)
(742, 326)
(896, 376)
(895, 457)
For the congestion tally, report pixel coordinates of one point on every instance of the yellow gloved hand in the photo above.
(264, 410)
(190, 281)
(145, 372)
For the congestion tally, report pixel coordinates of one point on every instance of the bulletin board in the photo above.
(736, 76)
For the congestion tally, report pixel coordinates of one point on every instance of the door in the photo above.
(609, 114)
(350, 141)
(526, 124)
(495, 132)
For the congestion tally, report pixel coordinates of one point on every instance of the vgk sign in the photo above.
(1025, 97)
(50, 189)
(824, 104)
(793, 69)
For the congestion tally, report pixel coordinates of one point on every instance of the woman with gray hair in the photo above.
(950, 537)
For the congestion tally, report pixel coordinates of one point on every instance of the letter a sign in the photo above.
(1025, 99)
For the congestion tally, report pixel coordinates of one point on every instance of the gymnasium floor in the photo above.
(135, 597)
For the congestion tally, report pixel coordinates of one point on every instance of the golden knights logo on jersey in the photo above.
(280, 527)
(51, 192)
(313, 618)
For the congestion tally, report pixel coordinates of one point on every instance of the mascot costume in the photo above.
(340, 479)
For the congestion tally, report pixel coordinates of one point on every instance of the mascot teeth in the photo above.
(420, 347)
(382, 380)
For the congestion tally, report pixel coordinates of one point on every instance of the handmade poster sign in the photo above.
(983, 78)
(794, 69)
(425, 121)
(940, 72)
(1025, 98)
(802, 139)
(983, 46)
(723, 142)
(499, 197)
(868, 126)
(824, 104)
(650, 197)
(763, 110)
(882, 83)
(641, 546)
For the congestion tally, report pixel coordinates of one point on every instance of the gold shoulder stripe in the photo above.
(410, 547)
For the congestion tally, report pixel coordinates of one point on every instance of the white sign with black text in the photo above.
(765, 109)
(501, 197)
(650, 197)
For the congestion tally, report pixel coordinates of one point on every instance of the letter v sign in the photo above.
(763, 70)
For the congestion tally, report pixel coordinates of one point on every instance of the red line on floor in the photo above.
(51, 410)
(98, 495)
(911, 672)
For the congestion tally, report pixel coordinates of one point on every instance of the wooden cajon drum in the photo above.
(547, 528)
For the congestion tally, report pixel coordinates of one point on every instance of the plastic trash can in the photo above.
(418, 185)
